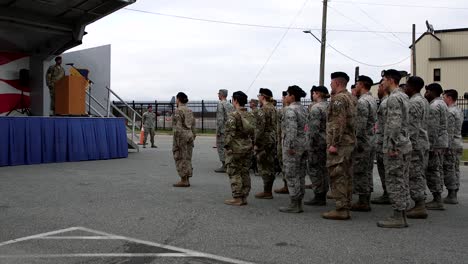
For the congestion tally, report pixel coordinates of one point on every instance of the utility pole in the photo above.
(413, 49)
(323, 42)
(356, 73)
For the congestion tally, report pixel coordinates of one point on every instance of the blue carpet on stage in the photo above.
(33, 140)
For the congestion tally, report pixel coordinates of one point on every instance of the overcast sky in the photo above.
(154, 56)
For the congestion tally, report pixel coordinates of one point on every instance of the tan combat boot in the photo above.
(283, 190)
(397, 220)
(235, 201)
(436, 203)
(330, 195)
(451, 197)
(342, 214)
(182, 183)
(320, 199)
(221, 169)
(418, 211)
(295, 206)
(363, 205)
(266, 194)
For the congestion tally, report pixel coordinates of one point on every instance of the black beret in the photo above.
(240, 94)
(435, 87)
(285, 93)
(340, 75)
(391, 72)
(266, 91)
(365, 79)
(353, 86)
(321, 89)
(58, 58)
(181, 95)
(296, 91)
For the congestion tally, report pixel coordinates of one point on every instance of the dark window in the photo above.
(436, 75)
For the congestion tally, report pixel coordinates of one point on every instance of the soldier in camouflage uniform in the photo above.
(294, 150)
(363, 156)
(183, 125)
(418, 112)
(455, 147)
(341, 138)
(279, 144)
(54, 73)
(438, 139)
(149, 124)
(238, 145)
(254, 109)
(222, 112)
(382, 93)
(396, 149)
(265, 142)
(317, 140)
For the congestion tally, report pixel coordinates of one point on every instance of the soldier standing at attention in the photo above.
(265, 142)
(240, 129)
(149, 124)
(363, 156)
(254, 109)
(418, 112)
(317, 155)
(382, 93)
(184, 136)
(222, 112)
(396, 149)
(54, 73)
(279, 144)
(438, 140)
(294, 149)
(455, 147)
(341, 138)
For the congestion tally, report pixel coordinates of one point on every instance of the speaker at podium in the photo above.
(70, 95)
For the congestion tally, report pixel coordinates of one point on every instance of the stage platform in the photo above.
(34, 140)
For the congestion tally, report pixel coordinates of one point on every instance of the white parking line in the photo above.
(38, 236)
(99, 255)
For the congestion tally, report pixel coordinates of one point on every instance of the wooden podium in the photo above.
(70, 96)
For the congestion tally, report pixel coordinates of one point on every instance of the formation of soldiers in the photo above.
(335, 142)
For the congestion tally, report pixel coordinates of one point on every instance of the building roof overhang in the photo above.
(449, 58)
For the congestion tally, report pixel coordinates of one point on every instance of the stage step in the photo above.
(132, 145)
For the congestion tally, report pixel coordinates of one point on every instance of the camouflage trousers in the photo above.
(340, 171)
(279, 153)
(362, 174)
(294, 172)
(417, 178)
(434, 171)
(370, 170)
(149, 131)
(238, 171)
(266, 164)
(220, 147)
(381, 168)
(183, 159)
(397, 180)
(452, 168)
(317, 169)
(52, 99)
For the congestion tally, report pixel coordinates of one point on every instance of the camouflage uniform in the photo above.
(363, 156)
(265, 140)
(317, 140)
(222, 112)
(455, 148)
(279, 139)
(418, 112)
(341, 134)
(438, 139)
(238, 146)
(396, 140)
(379, 133)
(293, 126)
(54, 73)
(184, 135)
(149, 124)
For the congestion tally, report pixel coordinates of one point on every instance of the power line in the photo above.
(264, 26)
(402, 5)
(277, 45)
(367, 64)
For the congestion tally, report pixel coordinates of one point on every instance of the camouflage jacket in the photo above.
(379, 132)
(222, 113)
(317, 122)
(54, 73)
(396, 138)
(183, 125)
(365, 120)
(341, 118)
(280, 115)
(237, 139)
(293, 127)
(454, 125)
(437, 124)
(149, 120)
(265, 131)
(418, 113)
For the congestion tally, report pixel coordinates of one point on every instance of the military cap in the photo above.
(266, 91)
(296, 91)
(435, 87)
(365, 79)
(340, 75)
(285, 93)
(321, 89)
(254, 100)
(391, 72)
(181, 95)
(223, 92)
(240, 94)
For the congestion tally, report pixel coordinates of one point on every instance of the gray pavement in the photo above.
(134, 198)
